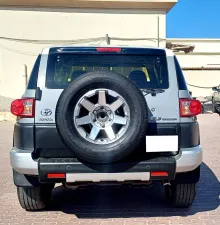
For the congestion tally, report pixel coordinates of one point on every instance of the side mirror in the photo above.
(215, 89)
(190, 92)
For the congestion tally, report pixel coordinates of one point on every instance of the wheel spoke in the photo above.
(101, 116)
(101, 98)
(88, 105)
(116, 104)
(94, 132)
(83, 120)
(120, 120)
(109, 132)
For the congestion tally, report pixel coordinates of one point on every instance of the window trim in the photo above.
(32, 82)
(50, 70)
(180, 76)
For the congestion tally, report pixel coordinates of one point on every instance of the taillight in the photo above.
(23, 107)
(190, 107)
(108, 49)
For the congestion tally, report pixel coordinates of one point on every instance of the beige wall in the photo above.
(188, 60)
(205, 55)
(61, 24)
(204, 79)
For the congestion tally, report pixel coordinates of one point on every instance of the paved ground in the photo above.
(119, 206)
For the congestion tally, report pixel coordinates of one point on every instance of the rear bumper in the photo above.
(22, 161)
(124, 171)
(187, 160)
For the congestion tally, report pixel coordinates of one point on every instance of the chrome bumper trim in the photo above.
(98, 177)
(187, 160)
(22, 161)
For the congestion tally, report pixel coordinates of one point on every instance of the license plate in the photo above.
(162, 143)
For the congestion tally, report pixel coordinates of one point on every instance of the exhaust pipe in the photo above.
(166, 183)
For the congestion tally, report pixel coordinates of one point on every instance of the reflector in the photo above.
(56, 175)
(159, 174)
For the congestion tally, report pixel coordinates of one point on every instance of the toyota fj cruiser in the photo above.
(105, 115)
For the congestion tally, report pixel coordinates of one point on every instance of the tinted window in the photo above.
(145, 71)
(180, 76)
(32, 83)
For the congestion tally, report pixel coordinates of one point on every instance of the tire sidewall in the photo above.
(131, 138)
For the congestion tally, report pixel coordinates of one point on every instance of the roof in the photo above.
(167, 51)
(194, 46)
(211, 40)
(159, 5)
(180, 47)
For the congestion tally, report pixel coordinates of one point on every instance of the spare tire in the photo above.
(102, 117)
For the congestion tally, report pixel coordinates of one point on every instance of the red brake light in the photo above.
(23, 107)
(108, 49)
(159, 174)
(56, 175)
(190, 107)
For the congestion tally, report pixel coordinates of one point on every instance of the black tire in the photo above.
(110, 152)
(34, 198)
(181, 195)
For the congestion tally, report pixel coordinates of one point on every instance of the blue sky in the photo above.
(194, 19)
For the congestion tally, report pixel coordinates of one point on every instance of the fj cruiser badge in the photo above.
(154, 118)
(46, 112)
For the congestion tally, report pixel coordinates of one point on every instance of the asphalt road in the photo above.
(119, 205)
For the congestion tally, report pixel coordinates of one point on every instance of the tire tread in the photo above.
(91, 152)
(33, 198)
(183, 195)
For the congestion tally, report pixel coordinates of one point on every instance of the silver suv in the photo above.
(105, 115)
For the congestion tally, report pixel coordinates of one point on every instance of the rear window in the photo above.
(144, 70)
(32, 83)
(180, 76)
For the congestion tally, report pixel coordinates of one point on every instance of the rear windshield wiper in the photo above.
(152, 91)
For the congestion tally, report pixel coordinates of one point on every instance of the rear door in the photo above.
(164, 106)
(47, 140)
(158, 70)
(47, 98)
(153, 72)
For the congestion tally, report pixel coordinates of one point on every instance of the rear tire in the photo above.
(34, 198)
(181, 195)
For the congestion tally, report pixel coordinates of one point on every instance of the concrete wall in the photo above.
(199, 60)
(205, 55)
(66, 24)
(203, 79)
(199, 77)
